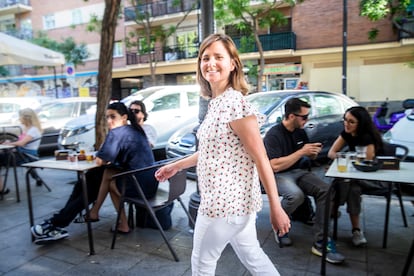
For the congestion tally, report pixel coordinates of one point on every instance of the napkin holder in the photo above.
(62, 154)
(389, 162)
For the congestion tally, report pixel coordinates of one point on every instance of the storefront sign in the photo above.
(282, 69)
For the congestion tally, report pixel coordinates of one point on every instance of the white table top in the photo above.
(405, 174)
(62, 165)
(6, 147)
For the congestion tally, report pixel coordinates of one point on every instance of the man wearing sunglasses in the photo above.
(290, 152)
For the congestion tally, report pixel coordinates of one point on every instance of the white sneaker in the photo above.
(358, 238)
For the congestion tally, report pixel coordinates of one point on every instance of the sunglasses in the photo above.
(135, 111)
(304, 117)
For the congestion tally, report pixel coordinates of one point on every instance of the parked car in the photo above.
(403, 131)
(9, 114)
(169, 108)
(324, 124)
(53, 116)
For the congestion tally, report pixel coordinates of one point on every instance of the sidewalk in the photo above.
(143, 252)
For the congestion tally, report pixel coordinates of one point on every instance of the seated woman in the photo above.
(359, 130)
(126, 147)
(140, 111)
(28, 142)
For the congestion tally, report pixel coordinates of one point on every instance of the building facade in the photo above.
(307, 52)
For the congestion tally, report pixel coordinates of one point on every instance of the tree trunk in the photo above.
(105, 68)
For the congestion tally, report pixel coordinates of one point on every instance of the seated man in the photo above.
(288, 147)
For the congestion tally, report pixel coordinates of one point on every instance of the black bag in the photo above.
(304, 213)
(144, 219)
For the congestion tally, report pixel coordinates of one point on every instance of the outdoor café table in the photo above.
(81, 167)
(11, 160)
(405, 175)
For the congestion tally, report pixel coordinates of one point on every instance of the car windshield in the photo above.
(141, 95)
(265, 103)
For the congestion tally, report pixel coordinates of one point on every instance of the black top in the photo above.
(281, 142)
(363, 140)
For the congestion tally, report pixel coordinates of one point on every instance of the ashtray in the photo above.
(366, 166)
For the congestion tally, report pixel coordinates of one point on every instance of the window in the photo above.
(167, 102)
(57, 110)
(76, 17)
(186, 42)
(327, 105)
(193, 98)
(118, 50)
(282, 28)
(49, 21)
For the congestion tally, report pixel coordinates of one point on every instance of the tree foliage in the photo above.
(74, 53)
(252, 19)
(376, 10)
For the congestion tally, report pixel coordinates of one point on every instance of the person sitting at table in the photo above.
(140, 111)
(27, 143)
(359, 130)
(125, 147)
(289, 152)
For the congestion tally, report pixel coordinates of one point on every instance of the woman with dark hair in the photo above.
(359, 130)
(138, 108)
(125, 148)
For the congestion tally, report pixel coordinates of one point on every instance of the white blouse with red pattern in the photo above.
(227, 176)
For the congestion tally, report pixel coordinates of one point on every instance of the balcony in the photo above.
(407, 24)
(22, 33)
(271, 42)
(159, 8)
(8, 7)
(169, 53)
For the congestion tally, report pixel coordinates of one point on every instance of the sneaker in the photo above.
(358, 238)
(48, 232)
(332, 256)
(283, 240)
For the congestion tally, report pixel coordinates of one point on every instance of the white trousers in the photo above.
(211, 235)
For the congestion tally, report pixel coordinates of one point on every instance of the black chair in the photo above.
(387, 191)
(162, 199)
(393, 188)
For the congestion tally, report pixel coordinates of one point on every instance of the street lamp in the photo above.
(344, 45)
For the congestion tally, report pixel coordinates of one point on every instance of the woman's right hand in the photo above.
(165, 172)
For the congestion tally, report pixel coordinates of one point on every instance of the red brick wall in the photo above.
(318, 24)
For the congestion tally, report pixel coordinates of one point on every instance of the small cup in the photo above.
(361, 153)
(89, 156)
(73, 157)
(352, 157)
(342, 161)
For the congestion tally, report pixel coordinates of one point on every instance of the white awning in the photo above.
(17, 51)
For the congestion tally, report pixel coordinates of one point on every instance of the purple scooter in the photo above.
(381, 121)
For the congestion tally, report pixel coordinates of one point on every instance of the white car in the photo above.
(169, 108)
(9, 114)
(53, 116)
(403, 133)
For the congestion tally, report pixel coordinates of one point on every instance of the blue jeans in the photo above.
(294, 185)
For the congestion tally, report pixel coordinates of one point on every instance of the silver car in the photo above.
(169, 108)
(324, 124)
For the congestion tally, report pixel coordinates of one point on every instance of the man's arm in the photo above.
(285, 162)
